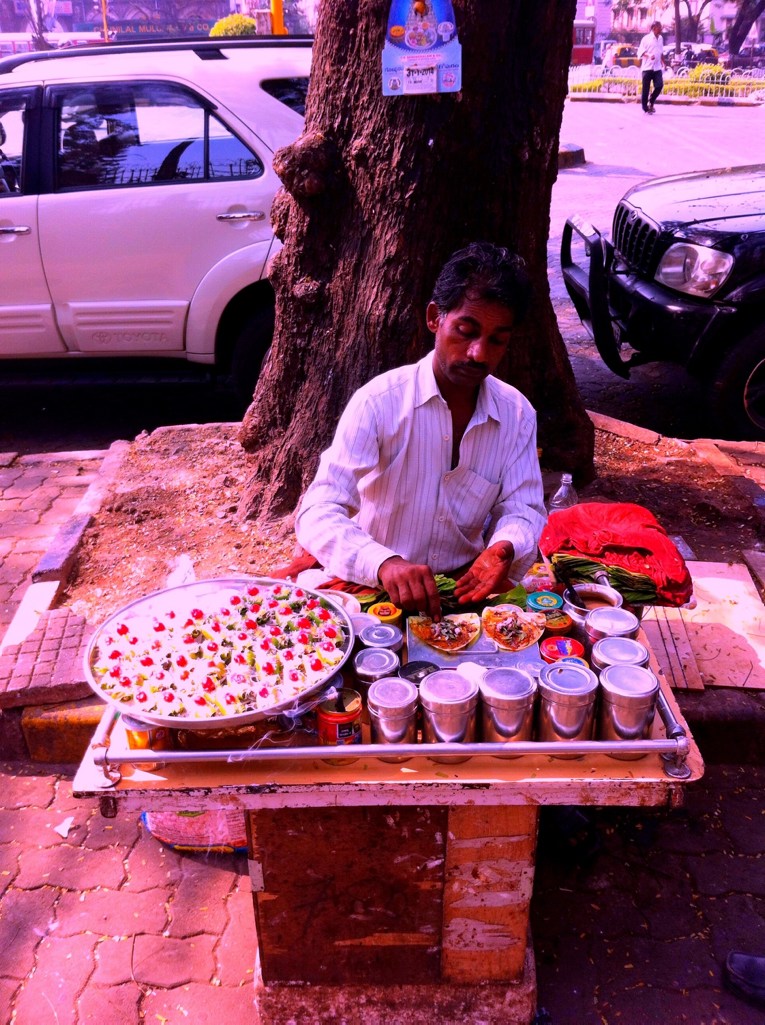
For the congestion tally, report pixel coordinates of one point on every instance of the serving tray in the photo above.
(207, 597)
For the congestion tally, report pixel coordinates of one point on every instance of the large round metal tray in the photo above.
(202, 593)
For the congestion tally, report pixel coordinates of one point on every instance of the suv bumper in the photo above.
(623, 309)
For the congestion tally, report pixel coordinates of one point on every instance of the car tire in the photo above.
(249, 353)
(738, 388)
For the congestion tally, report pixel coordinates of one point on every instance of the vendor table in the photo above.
(393, 891)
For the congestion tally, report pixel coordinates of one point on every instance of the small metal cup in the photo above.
(567, 694)
(627, 706)
(507, 706)
(449, 703)
(393, 713)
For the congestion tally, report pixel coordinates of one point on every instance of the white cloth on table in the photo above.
(386, 485)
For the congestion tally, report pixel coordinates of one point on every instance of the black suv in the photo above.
(682, 279)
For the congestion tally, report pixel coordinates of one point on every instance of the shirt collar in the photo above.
(426, 388)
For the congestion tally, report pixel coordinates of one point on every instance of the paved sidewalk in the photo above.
(633, 915)
(107, 925)
(38, 494)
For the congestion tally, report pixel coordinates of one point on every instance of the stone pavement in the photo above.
(101, 923)
(38, 494)
(633, 915)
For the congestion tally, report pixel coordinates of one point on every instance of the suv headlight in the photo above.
(697, 270)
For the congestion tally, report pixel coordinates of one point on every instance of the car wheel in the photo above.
(738, 388)
(250, 350)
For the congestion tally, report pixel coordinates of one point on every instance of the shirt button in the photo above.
(441, 519)
(446, 437)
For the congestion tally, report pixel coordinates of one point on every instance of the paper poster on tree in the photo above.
(422, 53)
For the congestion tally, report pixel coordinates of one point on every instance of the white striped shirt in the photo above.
(386, 485)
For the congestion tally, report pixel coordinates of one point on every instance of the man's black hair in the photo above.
(483, 270)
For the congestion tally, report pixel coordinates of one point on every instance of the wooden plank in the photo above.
(678, 634)
(726, 629)
(349, 895)
(666, 634)
(489, 878)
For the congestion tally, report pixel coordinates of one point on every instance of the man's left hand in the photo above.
(488, 574)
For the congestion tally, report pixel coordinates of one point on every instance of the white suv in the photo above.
(136, 185)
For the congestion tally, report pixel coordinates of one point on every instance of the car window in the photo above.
(290, 91)
(144, 134)
(13, 108)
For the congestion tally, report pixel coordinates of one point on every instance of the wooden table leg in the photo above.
(415, 915)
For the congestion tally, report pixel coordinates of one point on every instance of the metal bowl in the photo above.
(141, 612)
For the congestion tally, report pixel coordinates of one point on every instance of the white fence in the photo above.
(684, 84)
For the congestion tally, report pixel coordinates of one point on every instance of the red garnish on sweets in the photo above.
(122, 630)
(252, 591)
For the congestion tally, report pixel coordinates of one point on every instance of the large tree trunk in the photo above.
(748, 13)
(379, 191)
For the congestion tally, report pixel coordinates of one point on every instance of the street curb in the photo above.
(667, 101)
(57, 562)
(624, 429)
(570, 155)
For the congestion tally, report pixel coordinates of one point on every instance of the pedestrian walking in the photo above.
(651, 55)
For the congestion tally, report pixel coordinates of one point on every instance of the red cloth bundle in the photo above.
(620, 534)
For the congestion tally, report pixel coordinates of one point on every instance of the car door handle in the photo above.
(20, 229)
(248, 215)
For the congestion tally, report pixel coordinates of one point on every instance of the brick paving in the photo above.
(108, 925)
(633, 915)
(38, 494)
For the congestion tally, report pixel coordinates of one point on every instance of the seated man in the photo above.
(434, 468)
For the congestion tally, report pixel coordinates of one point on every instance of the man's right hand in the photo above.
(410, 586)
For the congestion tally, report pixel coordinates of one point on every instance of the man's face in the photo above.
(470, 341)
(657, 30)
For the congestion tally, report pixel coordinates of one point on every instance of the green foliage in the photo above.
(714, 73)
(234, 25)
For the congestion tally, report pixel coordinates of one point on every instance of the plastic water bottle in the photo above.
(565, 496)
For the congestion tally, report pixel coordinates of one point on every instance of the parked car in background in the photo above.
(599, 49)
(621, 55)
(136, 184)
(681, 279)
(690, 55)
(750, 56)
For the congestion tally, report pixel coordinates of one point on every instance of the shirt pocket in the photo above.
(471, 499)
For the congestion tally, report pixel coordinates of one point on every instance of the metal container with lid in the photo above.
(372, 664)
(627, 705)
(507, 705)
(610, 622)
(416, 671)
(449, 703)
(567, 694)
(382, 635)
(580, 599)
(618, 651)
(392, 706)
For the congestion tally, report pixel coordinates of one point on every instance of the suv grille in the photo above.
(635, 238)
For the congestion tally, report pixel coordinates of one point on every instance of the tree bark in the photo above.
(748, 13)
(378, 192)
